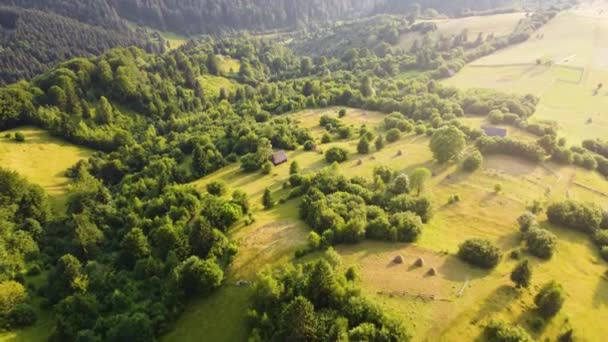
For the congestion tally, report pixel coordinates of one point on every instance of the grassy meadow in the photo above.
(212, 84)
(465, 297)
(42, 159)
(498, 24)
(576, 42)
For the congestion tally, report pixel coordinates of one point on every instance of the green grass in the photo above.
(229, 65)
(42, 159)
(577, 45)
(175, 40)
(212, 84)
(276, 234)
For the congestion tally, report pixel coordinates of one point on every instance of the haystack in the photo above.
(359, 162)
(419, 262)
(372, 158)
(399, 153)
(398, 259)
(432, 272)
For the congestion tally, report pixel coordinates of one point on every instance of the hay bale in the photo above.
(419, 262)
(432, 272)
(399, 153)
(398, 259)
(372, 158)
(359, 162)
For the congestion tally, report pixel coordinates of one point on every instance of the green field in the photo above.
(42, 159)
(276, 234)
(499, 25)
(229, 65)
(577, 45)
(212, 84)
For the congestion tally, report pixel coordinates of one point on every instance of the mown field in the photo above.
(276, 234)
(576, 43)
(42, 159)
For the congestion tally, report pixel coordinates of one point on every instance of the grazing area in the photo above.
(382, 170)
(563, 64)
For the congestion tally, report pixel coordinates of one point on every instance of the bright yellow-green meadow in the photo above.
(42, 159)
(576, 44)
(464, 297)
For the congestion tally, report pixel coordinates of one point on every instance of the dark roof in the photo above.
(495, 131)
(278, 157)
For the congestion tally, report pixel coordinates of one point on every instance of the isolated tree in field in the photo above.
(522, 273)
(418, 179)
(19, 137)
(447, 143)
(379, 142)
(217, 188)
(549, 299)
(104, 114)
(481, 253)
(363, 146)
(473, 162)
(294, 168)
(393, 135)
(267, 199)
(526, 221)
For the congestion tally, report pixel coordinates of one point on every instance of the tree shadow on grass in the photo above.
(500, 298)
(532, 321)
(456, 270)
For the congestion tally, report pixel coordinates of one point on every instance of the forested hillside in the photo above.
(33, 40)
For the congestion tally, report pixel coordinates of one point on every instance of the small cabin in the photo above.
(278, 157)
(495, 131)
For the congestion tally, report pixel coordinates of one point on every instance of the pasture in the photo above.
(498, 24)
(212, 84)
(464, 297)
(42, 159)
(576, 44)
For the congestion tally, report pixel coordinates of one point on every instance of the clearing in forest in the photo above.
(41, 158)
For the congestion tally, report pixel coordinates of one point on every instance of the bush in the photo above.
(342, 113)
(22, 315)
(326, 138)
(473, 162)
(336, 154)
(521, 274)
(267, 168)
(549, 299)
(19, 137)
(480, 253)
(498, 331)
(583, 217)
(217, 188)
(363, 146)
(420, 129)
(601, 238)
(393, 135)
(309, 145)
(408, 226)
(526, 221)
(541, 242)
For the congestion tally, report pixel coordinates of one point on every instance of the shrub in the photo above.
(326, 138)
(336, 154)
(22, 315)
(541, 242)
(480, 253)
(342, 113)
(498, 188)
(601, 238)
(217, 188)
(473, 162)
(393, 135)
(521, 274)
(309, 145)
(549, 299)
(498, 331)
(526, 221)
(408, 226)
(379, 142)
(363, 146)
(420, 129)
(583, 217)
(19, 137)
(267, 168)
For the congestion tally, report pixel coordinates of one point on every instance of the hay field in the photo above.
(577, 45)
